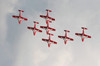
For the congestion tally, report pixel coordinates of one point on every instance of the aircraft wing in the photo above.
(51, 18)
(78, 34)
(15, 16)
(53, 42)
(24, 18)
(38, 30)
(87, 36)
(45, 40)
(44, 27)
(52, 29)
(70, 38)
(42, 16)
(30, 28)
(61, 37)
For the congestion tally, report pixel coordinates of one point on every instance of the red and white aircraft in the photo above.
(34, 29)
(49, 41)
(47, 16)
(83, 35)
(65, 38)
(47, 28)
(20, 17)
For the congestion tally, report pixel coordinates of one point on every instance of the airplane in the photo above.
(20, 18)
(83, 35)
(47, 28)
(34, 29)
(65, 38)
(49, 41)
(47, 16)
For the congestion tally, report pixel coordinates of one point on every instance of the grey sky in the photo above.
(18, 46)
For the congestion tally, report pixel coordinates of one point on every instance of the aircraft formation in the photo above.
(48, 29)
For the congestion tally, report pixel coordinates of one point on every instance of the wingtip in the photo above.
(40, 15)
(55, 42)
(76, 33)
(28, 27)
(26, 19)
(12, 15)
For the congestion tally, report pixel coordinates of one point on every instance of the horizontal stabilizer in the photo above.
(36, 22)
(66, 30)
(21, 10)
(48, 10)
(50, 34)
(84, 28)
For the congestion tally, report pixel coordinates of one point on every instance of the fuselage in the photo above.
(83, 37)
(19, 19)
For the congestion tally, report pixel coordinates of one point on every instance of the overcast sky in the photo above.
(18, 46)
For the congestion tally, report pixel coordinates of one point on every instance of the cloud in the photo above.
(24, 49)
(6, 56)
(98, 63)
(4, 11)
(39, 56)
(63, 58)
